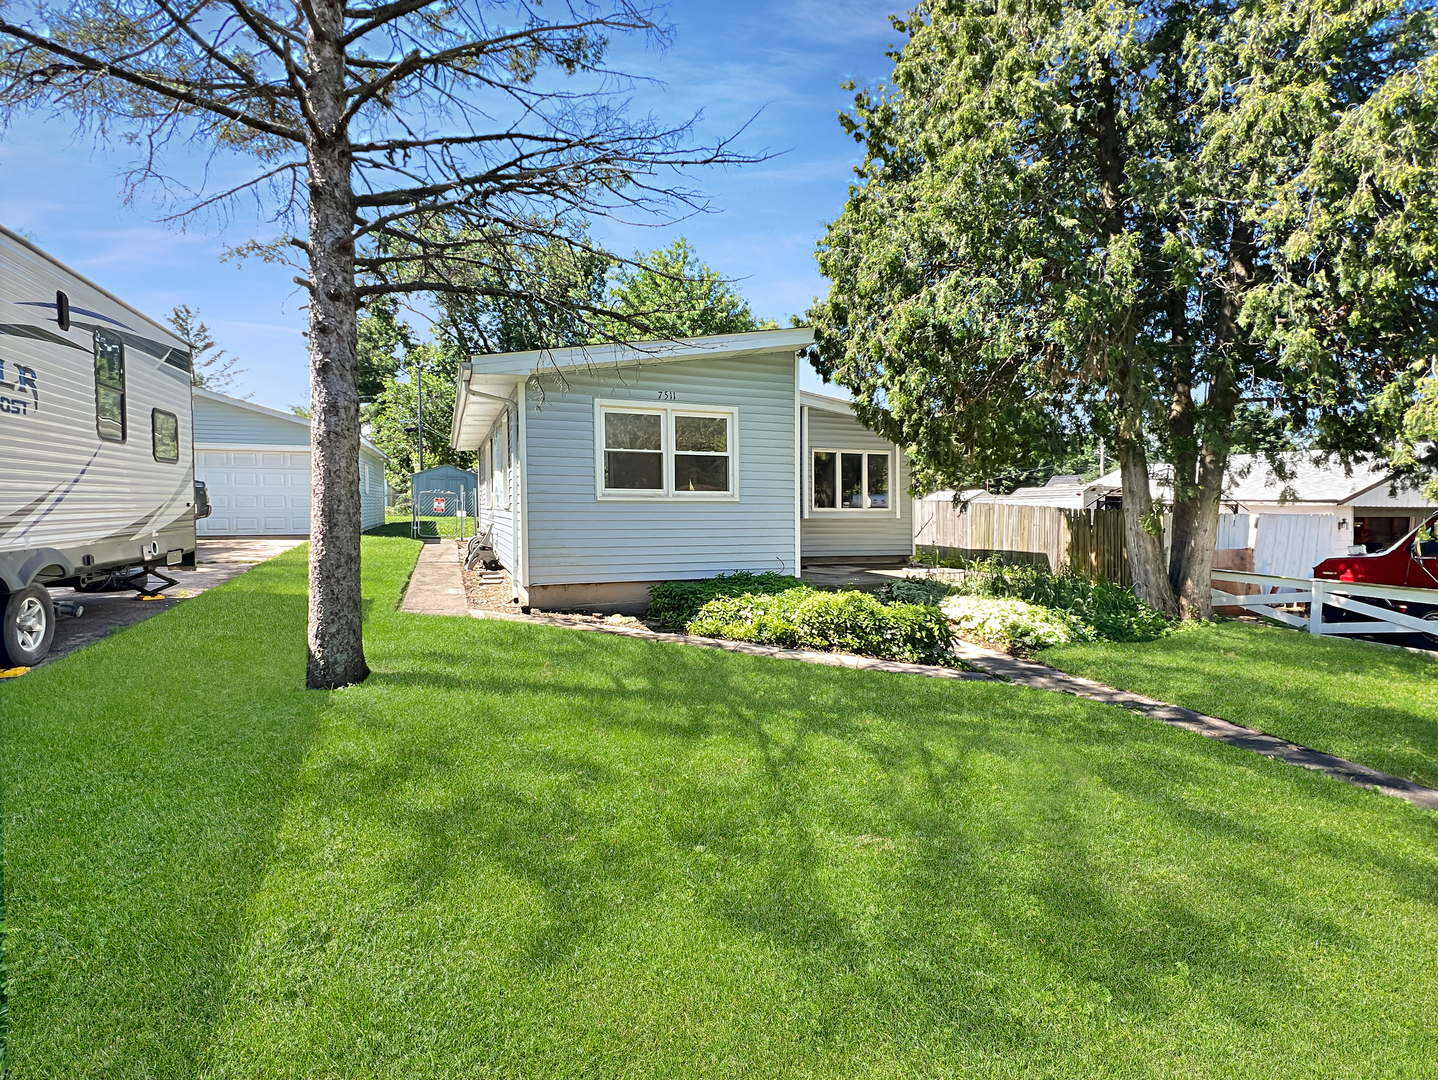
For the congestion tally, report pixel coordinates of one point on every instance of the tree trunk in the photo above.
(1193, 563)
(1182, 428)
(1145, 550)
(336, 648)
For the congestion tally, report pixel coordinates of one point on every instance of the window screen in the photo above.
(165, 436)
(634, 451)
(851, 481)
(877, 485)
(701, 453)
(824, 489)
(109, 387)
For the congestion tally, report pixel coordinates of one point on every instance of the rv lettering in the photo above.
(17, 406)
(24, 380)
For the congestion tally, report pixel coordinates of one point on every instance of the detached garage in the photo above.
(256, 463)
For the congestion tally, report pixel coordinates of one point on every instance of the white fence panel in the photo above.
(1291, 545)
(1232, 531)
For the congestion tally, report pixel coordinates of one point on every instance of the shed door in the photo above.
(254, 492)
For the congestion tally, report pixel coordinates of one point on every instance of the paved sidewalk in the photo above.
(1042, 677)
(437, 586)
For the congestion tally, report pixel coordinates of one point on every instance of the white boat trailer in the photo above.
(1320, 594)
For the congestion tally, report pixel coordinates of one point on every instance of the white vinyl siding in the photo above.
(854, 532)
(498, 474)
(576, 536)
(257, 469)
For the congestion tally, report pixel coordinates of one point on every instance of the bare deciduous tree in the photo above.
(406, 146)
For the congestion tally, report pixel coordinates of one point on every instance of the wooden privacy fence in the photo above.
(1089, 543)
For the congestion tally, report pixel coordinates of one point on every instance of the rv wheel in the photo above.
(28, 627)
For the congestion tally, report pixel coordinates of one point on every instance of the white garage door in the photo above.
(255, 492)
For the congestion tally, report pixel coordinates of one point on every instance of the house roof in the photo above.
(827, 403)
(1251, 480)
(277, 414)
(1062, 491)
(488, 384)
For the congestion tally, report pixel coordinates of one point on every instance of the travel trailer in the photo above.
(96, 461)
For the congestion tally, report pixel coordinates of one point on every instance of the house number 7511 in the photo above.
(666, 395)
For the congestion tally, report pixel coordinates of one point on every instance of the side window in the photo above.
(633, 451)
(851, 480)
(165, 435)
(1425, 544)
(701, 453)
(109, 387)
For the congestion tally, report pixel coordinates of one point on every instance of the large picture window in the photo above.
(665, 452)
(852, 480)
(109, 387)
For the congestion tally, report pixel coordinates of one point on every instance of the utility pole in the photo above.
(414, 372)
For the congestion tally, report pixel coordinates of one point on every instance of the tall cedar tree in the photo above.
(411, 146)
(1100, 216)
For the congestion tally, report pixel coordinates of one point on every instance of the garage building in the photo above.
(256, 463)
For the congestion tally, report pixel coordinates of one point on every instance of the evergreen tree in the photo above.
(1088, 217)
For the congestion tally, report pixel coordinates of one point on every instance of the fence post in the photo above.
(1315, 609)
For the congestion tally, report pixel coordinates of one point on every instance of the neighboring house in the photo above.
(255, 462)
(605, 469)
(1318, 511)
(1265, 524)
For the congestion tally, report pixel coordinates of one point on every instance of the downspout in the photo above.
(521, 476)
(800, 443)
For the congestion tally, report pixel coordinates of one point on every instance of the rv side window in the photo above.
(165, 432)
(109, 387)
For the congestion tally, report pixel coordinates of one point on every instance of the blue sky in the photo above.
(784, 61)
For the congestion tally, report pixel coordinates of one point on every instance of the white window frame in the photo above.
(668, 412)
(849, 511)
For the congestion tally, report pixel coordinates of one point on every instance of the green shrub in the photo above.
(806, 618)
(1015, 622)
(913, 591)
(674, 603)
(1113, 611)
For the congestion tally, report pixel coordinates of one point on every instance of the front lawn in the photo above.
(1363, 702)
(521, 851)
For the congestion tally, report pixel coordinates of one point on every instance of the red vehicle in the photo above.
(1410, 563)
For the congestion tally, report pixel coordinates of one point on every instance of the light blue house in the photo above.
(255, 461)
(605, 469)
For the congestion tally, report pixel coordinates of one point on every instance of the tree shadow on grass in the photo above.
(144, 778)
(1288, 684)
(1031, 871)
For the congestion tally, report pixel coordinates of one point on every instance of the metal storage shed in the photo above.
(256, 463)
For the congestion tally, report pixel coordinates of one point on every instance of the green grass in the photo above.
(521, 851)
(1363, 702)
(443, 527)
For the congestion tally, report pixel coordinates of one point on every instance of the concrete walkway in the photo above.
(1042, 677)
(437, 585)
